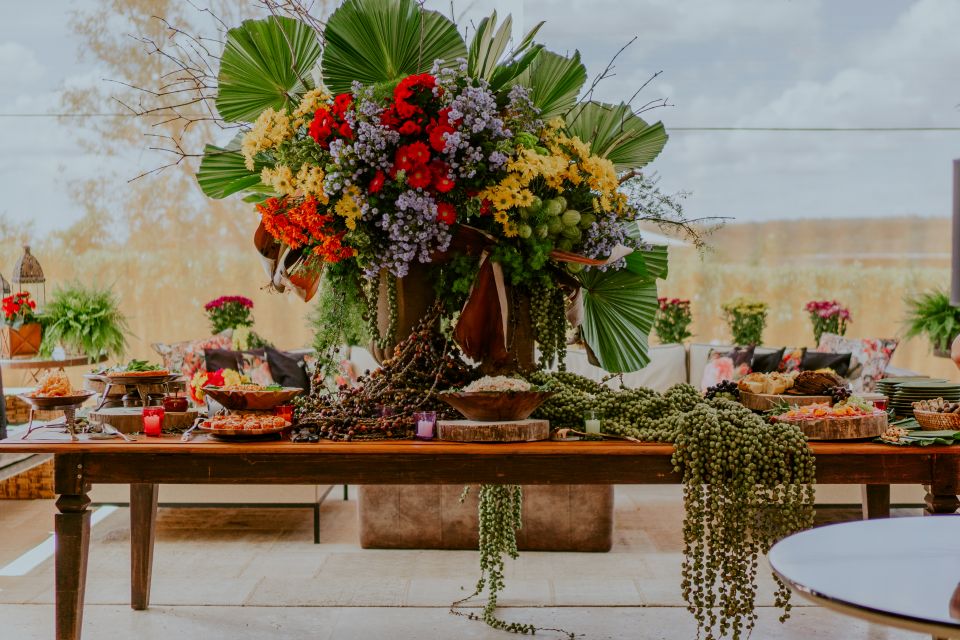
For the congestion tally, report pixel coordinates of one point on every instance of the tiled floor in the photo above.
(243, 574)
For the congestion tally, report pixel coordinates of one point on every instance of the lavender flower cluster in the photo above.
(412, 233)
(600, 238)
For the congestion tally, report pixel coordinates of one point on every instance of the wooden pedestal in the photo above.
(528, 430)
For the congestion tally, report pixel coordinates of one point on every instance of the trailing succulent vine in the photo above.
(746, 485)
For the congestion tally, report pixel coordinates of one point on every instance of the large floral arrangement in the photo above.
(467, 160)
(827, 316)
(19, 309)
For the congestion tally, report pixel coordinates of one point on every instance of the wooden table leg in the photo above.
(143, 520)
(72, 531)
(939, 502)
(876, 500)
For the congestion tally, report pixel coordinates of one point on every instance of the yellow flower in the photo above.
(602, 174)
(581, 148)
(310, 180)
(348, 207)
(501, 217)
(503, 199)
(524, 198)
(271, 128)
(311, 101)
(280, 178)
(510, 230)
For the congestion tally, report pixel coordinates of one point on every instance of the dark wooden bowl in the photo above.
(252, 400)
(488, 406)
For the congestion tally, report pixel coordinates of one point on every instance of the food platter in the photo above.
(241, 434)
(250, 399)
(56, 402)
(768, 401)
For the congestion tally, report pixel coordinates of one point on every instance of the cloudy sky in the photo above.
(725, 63)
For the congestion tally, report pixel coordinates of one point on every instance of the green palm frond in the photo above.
(619, 308)
(265, 63)
(382, 41)
(223, 172)
(485, 58)
(617, 134)
(555, 82)
(652, 261)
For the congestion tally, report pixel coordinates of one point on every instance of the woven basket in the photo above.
(933, 421)
(32, 484)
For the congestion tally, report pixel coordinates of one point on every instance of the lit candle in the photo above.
(152, 421)
(591, 422)
(425, 424)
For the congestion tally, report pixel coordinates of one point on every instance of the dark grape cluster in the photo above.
(724, 389)
(840, 393)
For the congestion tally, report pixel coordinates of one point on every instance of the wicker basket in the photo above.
(933, 421)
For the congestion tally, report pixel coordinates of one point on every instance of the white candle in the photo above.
(425, 429)
(593, 425)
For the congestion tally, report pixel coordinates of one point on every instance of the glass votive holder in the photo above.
(152, 421)
(591, 422)
(285, 411)
(426, 424)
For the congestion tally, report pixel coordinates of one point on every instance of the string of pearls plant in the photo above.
(746, 485)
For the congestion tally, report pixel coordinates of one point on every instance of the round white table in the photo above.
(904, 572)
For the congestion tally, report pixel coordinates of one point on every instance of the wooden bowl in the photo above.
(56, 402)
(487, 406)
(252, 400)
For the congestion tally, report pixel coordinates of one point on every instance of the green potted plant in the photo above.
(930, 314)
(21, 331)
(746, 319)
(86, 321)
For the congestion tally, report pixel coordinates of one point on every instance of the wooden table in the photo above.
(35, 365)
(147, 463)
(902, 572)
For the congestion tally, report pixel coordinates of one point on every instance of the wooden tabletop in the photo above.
(42, 443)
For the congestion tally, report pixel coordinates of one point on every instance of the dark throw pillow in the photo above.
(288, 369)
(217, 359)
(813, 360)
(767, 362)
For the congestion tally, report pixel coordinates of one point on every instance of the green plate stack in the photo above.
(909, 392)
(888, 386)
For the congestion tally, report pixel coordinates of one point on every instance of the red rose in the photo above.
(389, 118)
(406, 110)
(485, 207)
(441, 177)
(346, 131)
(409, 128)
(419, 177)
(412, 155)
(377, 183)
(446, 213)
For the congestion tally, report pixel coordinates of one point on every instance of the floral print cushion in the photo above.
(726, 365)
(792, 357)
(869, 357)
(255, 367)
(188, 357)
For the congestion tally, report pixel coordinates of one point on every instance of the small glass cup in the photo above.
(285, 411)
(153, 421)
(591, 422)
(426, 423)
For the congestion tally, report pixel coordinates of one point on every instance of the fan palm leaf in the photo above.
(616, 133)
(223, 172)
(554, 81)
(619, 307)
(265, 63)
(486, 60)
(382, 41)
(651, 261)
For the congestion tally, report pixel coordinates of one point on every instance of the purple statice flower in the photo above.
(412, 232)
(600, 238)
(523, 114)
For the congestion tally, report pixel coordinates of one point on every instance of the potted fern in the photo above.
(86, 321)
(931, 314)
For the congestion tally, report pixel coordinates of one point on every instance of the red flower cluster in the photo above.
(328, 121)
(222, 300)
(673, 302)
(296, 222)
(410, 115)
(18, 306)
(828, 309)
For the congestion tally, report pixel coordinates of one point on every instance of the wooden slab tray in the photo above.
(497, 431)
(767, 401)
(130, 419)
(859, 428)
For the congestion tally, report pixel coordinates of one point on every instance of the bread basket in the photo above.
(935, 421)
